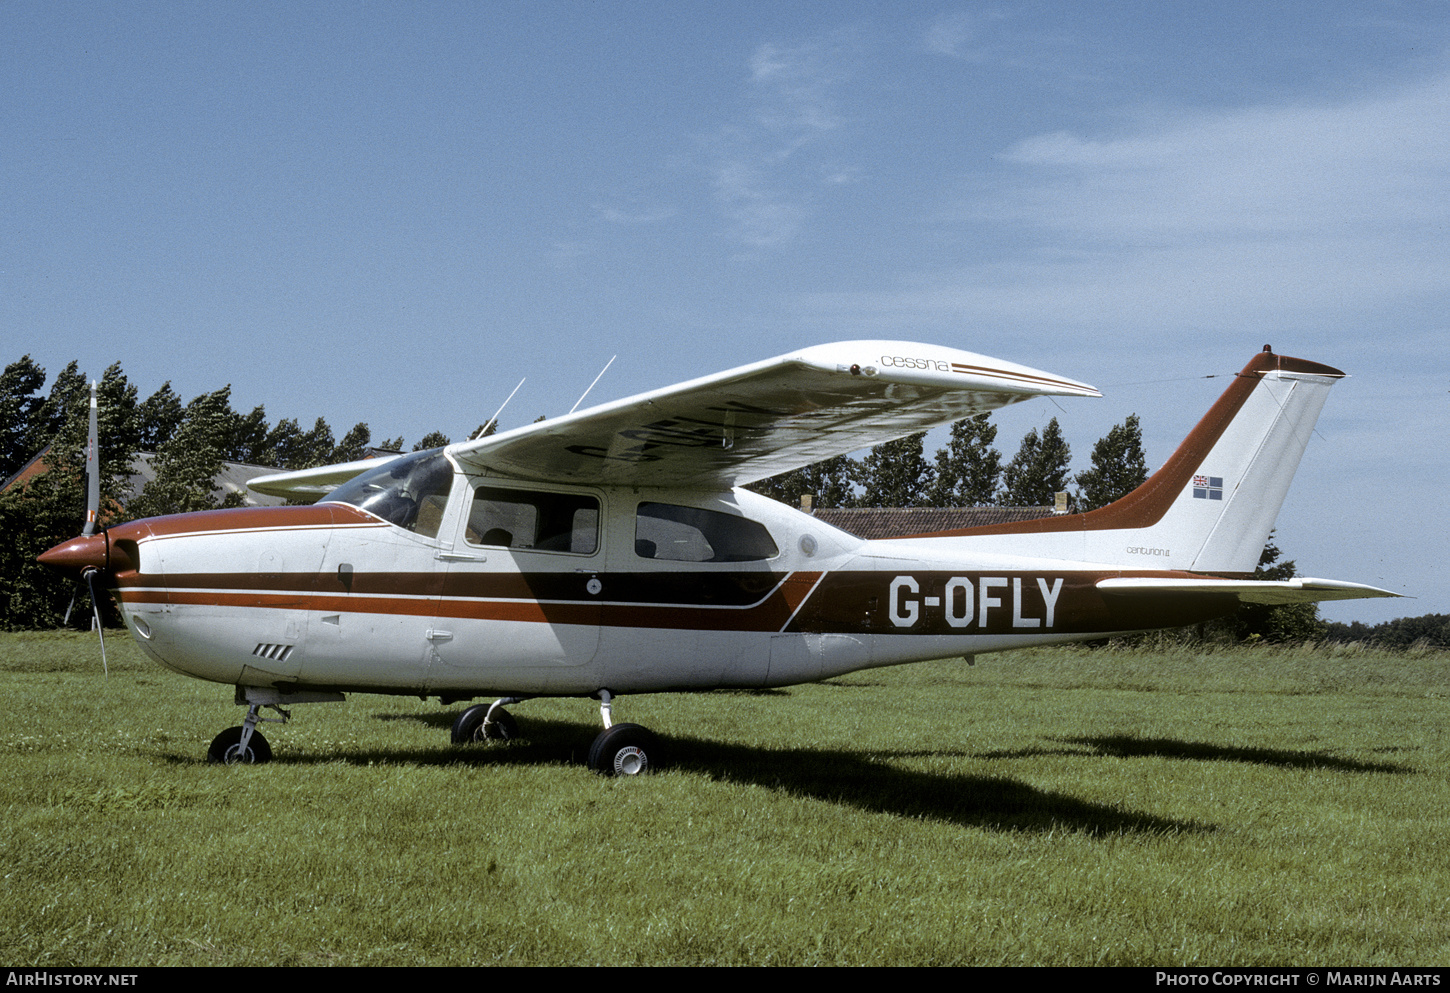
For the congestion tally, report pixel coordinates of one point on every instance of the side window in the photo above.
(528, 519)
(689, 534)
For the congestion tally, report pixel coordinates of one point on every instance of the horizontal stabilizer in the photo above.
(1304, 590)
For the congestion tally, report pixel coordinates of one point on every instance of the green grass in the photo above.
(1151, 806)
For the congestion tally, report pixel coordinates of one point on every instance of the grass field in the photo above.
(1146, 807)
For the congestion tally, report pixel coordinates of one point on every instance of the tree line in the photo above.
(969, 472)
(189, 441)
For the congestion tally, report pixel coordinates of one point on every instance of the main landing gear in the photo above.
(487, 722)
(245, 745)
(620, 749)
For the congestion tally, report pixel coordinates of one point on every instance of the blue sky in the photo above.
(391, 212)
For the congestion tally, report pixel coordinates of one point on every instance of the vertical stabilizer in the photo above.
(1211, 506)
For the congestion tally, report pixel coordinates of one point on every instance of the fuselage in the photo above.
(485, 585)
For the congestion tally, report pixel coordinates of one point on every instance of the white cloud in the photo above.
(769, 161)
(1233, 218)
(949, 33)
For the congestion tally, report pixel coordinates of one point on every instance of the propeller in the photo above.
(89, 553)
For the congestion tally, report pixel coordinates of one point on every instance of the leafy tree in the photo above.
(187, 464)
(353, 446)
(51, 506)
(1285, 622)
(33, 518)
(1118, 466)
(20, 404)
(895, 474)
(158, 417)
(1431, 630)
(435, 439)
(291, 448)
(830, 483)
(1263, 622)
(247, 438)
(968, 468)
(1039, 469)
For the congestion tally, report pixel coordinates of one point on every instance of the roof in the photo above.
(899, 522)
(232, 478)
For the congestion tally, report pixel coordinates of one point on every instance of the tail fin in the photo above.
(1211, 506)
(1223, 487)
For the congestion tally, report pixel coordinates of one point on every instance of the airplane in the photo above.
(615, 551)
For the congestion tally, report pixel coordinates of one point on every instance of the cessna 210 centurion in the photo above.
(613, 550)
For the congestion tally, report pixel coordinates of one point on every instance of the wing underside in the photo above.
(742, 425)
(763, 419)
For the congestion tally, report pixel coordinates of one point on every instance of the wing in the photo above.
(759, 420)
(1304, 590)
(311, 485)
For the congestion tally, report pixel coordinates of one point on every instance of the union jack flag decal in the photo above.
(1208, 487)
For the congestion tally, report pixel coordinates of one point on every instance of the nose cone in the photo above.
(77, 555)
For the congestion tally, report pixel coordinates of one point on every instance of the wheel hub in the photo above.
(630, 761)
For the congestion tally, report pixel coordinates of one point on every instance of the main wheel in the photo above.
(226, 749)
(625, 750)
(469, 726)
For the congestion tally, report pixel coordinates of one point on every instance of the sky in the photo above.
(393, 212)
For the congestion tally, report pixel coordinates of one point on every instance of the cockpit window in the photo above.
(410, 492)
(689, 534)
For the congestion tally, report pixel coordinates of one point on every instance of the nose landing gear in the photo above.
(245, 745)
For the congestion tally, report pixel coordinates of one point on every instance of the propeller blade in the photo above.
(100, 628)
(93, 474)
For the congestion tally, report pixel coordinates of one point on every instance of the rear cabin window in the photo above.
(533, 520)
(688, 534)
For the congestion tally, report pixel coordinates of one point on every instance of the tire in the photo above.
(625, 750)
(226, 749)
(469, 726)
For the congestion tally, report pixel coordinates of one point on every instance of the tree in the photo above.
(186, 466)
(436, 439)
(353, 446)
(1285, 622)
(1262, 622)
(247, 438)
(895, 474)
(158, 417)
(830, 483)
(20, 404)
(1118, 466)
(50, 507)
(1039, 469)
(968, 468)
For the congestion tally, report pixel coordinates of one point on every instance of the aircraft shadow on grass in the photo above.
(1132, 746)
(854, 779)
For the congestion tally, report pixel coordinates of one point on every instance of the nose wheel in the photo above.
(245, 745)
(228, 748)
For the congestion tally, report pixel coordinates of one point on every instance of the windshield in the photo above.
(409, 492)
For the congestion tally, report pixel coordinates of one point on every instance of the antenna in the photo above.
(591, 385)
(494, 419)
